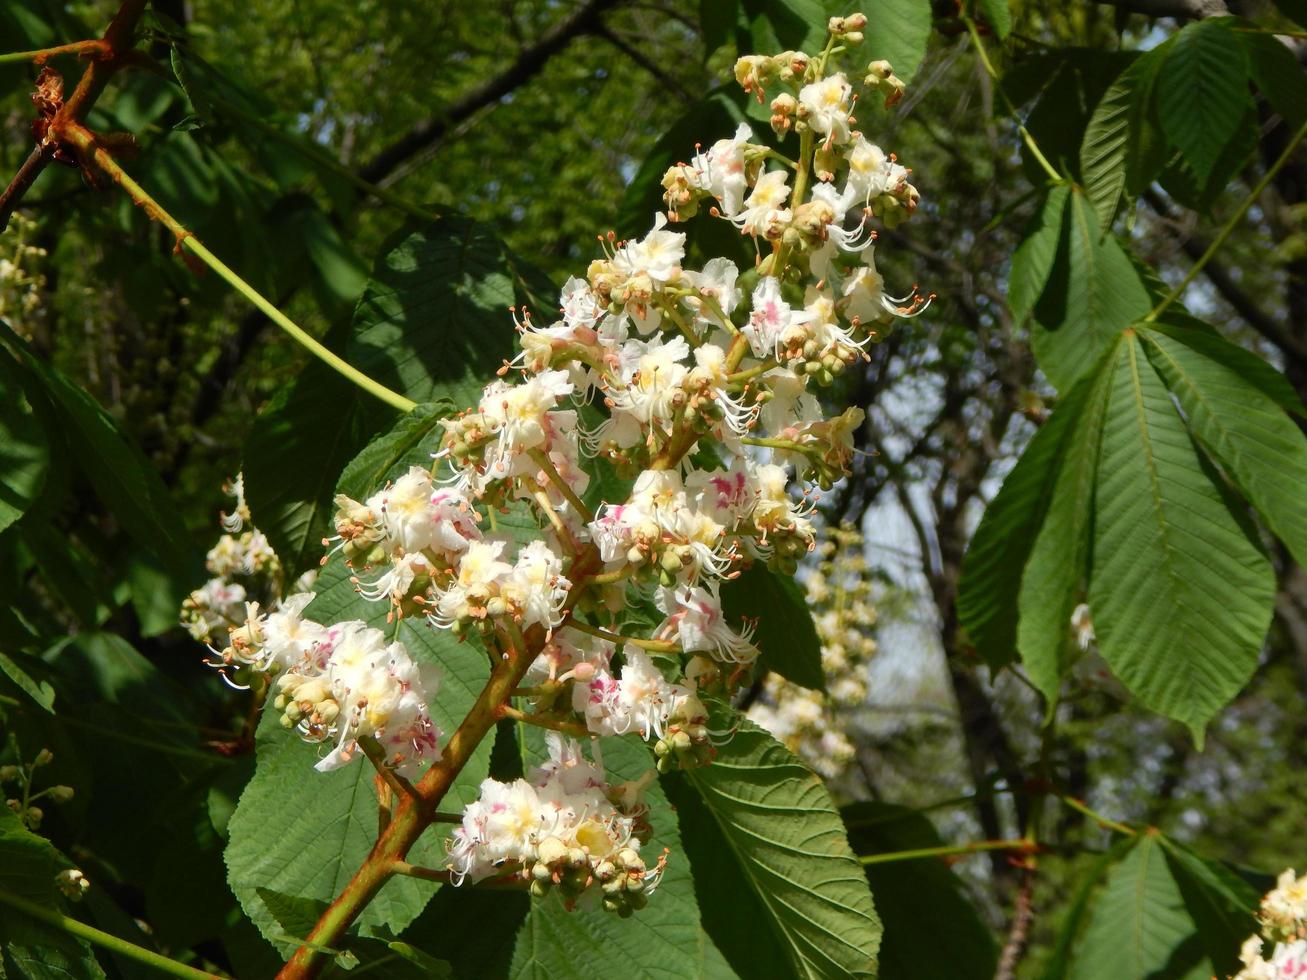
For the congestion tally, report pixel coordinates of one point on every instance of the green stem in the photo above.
(655, 646)
(1026, 138)
(85, 141)
(541, 459)
(1098, 818)
(109, 941)
(975, 847)
(1229, 227)
(543, 721)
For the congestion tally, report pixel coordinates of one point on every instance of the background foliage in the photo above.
(1038, 439)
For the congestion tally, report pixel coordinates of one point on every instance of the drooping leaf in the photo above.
(919, 901)
(1056, 574)
(992, 567)
(39, 691)
(717, 20)
(662, 939)
(780, 25)
(1202, 92)
(1032, 262)
(1138, 926)
(303, 833)
(1278, 75)
(1112, 143)
(786, 635)
(780, 891)
(1093, 293)
(1180, 593)
(1263, 452)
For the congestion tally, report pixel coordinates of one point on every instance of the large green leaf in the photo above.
(1114, 136)
(1202, 92)
(919, 901)
(24, 452)
(1260, 448)
(1181, 593)
(781, 892)
(1278, 74)
(786, 636)
(1056, 575)
(303, 833)
(1139, 927)
(990, 582)
(661, 940)
(1093, 293)
(30, 949)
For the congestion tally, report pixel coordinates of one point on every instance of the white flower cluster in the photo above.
(812, 725)
(563, 826)
(696, 384)
(21, 280)
(1283, 917)
(243, 567)
(340, 684)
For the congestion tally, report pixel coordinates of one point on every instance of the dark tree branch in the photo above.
(1181, 9)
(526, 66)
(663, 78)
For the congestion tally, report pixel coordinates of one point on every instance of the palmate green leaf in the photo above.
(303, 833)
(1057, 572)
(781, 25)
(1202, 92)
(919, 901)
(1259, 447)
(786, 636)
(1139, 927)
(990, 582)
(1114, 134)
(1074, 920)
(781, 892)
(39, 691)
(24, 449)
(661, 940)
(1181, 592)
(1277, 74)
(30, 949)
(1093, 293)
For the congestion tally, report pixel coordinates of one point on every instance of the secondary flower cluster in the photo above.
(814, 725)
(563, 826)
(692, 387)
(21, 281)
(1283, 918)
(341, 684)
(243, 567)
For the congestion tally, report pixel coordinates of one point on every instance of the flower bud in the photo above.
(60, 794)
(72, 883)
(43, 758)
(8, 773)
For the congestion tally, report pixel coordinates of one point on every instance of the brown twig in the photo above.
(111, 49)
(1023, 917)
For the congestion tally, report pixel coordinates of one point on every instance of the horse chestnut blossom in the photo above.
(1283, 918)
(580, 524)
